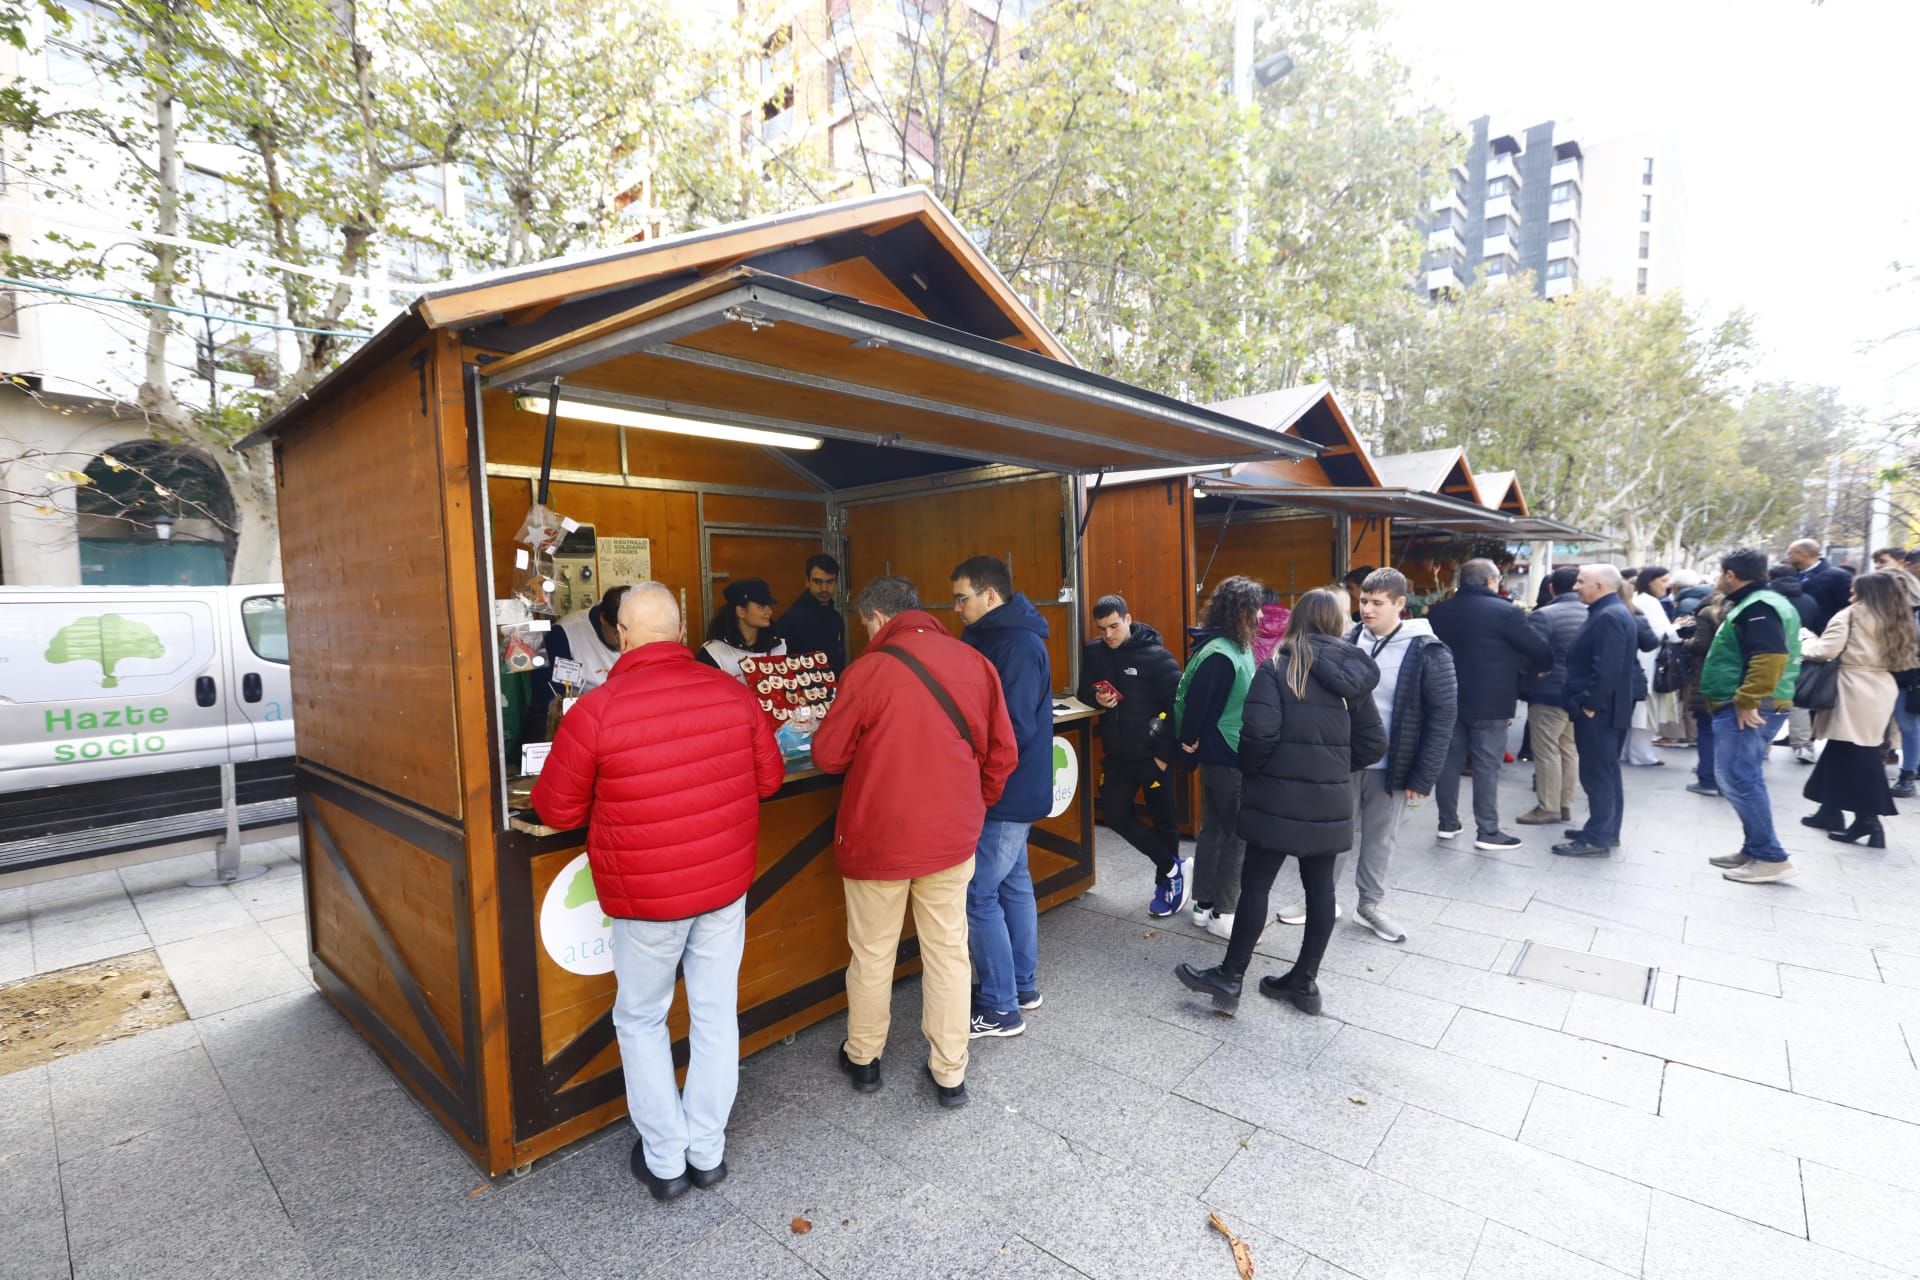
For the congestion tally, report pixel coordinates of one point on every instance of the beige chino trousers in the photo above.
(876, 914)
(1556, 762)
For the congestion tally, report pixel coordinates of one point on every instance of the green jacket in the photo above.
(1722, 674)
(1228, 722)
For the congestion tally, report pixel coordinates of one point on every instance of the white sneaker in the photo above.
(1383, 927)
(1297, 913)
(1221, 926)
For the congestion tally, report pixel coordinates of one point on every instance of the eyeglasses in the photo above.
(962, 597)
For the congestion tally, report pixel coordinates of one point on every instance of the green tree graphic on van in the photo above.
(107, 639)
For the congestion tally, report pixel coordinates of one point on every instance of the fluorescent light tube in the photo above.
(614, 416)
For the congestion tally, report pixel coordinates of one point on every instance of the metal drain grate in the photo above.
(1583, 972)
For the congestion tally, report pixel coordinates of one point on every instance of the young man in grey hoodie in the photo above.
(1418, 701)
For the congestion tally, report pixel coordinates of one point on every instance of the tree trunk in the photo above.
(256, 554)
(156, 388)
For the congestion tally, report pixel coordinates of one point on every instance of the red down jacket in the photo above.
(666, 764)
(916, 797)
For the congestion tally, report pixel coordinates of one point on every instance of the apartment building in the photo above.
(1636, 212)
(1514, 206)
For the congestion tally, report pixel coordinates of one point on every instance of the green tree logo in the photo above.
(582, 891)
(108, 639)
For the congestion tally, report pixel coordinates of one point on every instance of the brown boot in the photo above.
(1537, 817)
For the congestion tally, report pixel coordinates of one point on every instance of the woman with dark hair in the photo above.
(1206, 719)
(1871, 638)
(1310, 723)
(1650, 587)
(742, 627)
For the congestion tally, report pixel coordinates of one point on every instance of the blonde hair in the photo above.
(1317, 613)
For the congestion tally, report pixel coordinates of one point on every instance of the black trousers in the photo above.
(1250, 918)
(1121, 780)
(1599, 747)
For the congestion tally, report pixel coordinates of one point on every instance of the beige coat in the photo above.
(1867, 690)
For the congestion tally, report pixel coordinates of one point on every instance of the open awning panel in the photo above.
(758, 350)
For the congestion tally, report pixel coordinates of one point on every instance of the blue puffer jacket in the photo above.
(1014, 639)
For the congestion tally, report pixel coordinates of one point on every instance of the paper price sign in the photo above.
(568, 671)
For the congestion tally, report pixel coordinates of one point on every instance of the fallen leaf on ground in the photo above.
(1242, 1255)
(1148, 934)
(800, 1226)
(1356, 1100)
(478, 1191)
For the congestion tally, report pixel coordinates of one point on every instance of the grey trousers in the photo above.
(1376, 818)
(1219, 851)
(1799, 727)
(1556, 762)
(1485, 742)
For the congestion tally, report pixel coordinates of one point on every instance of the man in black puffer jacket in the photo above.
(1132, 678)
(1556, 763)
(1492, 648)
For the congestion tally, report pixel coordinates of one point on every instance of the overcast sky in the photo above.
(1798, 124)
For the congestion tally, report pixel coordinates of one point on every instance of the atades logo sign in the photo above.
(1066, 776)
(573, 929)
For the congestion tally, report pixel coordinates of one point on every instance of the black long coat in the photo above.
(1298, 755)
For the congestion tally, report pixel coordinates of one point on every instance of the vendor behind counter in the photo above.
(742, 627)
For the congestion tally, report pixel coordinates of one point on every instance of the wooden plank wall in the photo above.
(365, 565)
(1289, 556)
(923, 536)
(1139, 543)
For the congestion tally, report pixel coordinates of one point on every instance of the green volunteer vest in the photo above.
(1242, 660)
(1720, 674)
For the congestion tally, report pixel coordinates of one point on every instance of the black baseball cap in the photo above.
(749, 591)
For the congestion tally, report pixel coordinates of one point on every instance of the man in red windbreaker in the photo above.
(666, 764)
(920, 728)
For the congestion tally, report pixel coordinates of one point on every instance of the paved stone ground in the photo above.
(1442, 1120)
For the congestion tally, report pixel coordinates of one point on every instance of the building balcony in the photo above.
(1501, 207)
(1442, 278)
(1564, 211)
(1503, 166)
(1448, 200)
(1560, 288)
(1566, 171)
(1496, 281)
(1566, 247)
(1445, 240)
(1500, 247)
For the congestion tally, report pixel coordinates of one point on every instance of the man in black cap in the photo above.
(813, 622)
(742, 627)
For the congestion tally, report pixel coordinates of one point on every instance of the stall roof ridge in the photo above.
(1427, 470)
(1287, 412)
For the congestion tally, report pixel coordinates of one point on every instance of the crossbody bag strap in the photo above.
(934, 687)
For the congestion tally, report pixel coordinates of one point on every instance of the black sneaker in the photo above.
(948, 1095)
(704, 1178)
(661, 1189)
(1581, 848)
(1495, 840)
(1702, 789)
(1904, 788)
(866, 1077)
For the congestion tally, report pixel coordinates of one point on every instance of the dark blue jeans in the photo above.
(1740, 755)
(1002, 924)
(1599, 746)
(1703, 723)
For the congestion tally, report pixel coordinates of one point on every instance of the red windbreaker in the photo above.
(915, 796)
(666, 764)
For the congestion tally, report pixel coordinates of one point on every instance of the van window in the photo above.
(265, 618)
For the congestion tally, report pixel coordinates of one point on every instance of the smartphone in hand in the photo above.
(1106, 687)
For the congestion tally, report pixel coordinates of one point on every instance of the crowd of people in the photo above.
(1313, 729)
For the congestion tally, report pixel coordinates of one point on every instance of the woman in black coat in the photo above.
(1309, 723)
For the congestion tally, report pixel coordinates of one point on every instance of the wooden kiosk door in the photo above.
(779, 556)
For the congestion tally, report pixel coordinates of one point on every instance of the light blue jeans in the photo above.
(677, 1127)
(1003, 925)
(1909, 724)
(1740, 761)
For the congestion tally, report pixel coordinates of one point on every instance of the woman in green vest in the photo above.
(1206, 716)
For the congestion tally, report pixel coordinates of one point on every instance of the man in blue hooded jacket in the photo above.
(1003, 924)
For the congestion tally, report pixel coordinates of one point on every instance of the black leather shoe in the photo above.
(704, 1178)
(866, 1079)
(1580, 849)
(948, 1095)
(659, 1188)
(1303, 995)
(1825, 819)
(1579, 836)
(1224, 987)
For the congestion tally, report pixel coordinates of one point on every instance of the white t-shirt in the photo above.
(589, 650)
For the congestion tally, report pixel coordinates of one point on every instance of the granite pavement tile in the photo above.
(1582, 1209)
(1863, 1217)
(1703, 963)
(1022, 1259)
(1749, 1181)
(1487, 991)
(33, 1233)
(97, 1105)
(1314, 1108)
(1354, 1218)
(1601, 1070)
(930, 1233)
(1756, 1054)
(1487, 1097)
(737, 1249)
(1829, 1072)
(1520, 926)
(1506, 1254)
(1688, 1241)
(1849, 958)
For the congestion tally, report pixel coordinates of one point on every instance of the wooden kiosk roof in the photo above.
(1443, 471)
(894, 334)
(1500, 490)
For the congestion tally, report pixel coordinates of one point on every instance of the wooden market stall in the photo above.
(921, 414)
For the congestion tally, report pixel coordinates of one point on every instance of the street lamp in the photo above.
(163, 526)
(1272, 69)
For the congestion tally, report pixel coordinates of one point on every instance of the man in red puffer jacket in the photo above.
(916, 799)
(666, 764)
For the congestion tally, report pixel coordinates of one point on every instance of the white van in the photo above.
(118, 705)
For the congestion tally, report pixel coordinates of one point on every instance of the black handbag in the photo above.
(1818, 688)
(1671, 669)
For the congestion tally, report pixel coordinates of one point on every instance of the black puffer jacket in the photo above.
(1147, 677)
(1492, 647)
(1425, 705)
(1557, 622)
(1299, 754)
